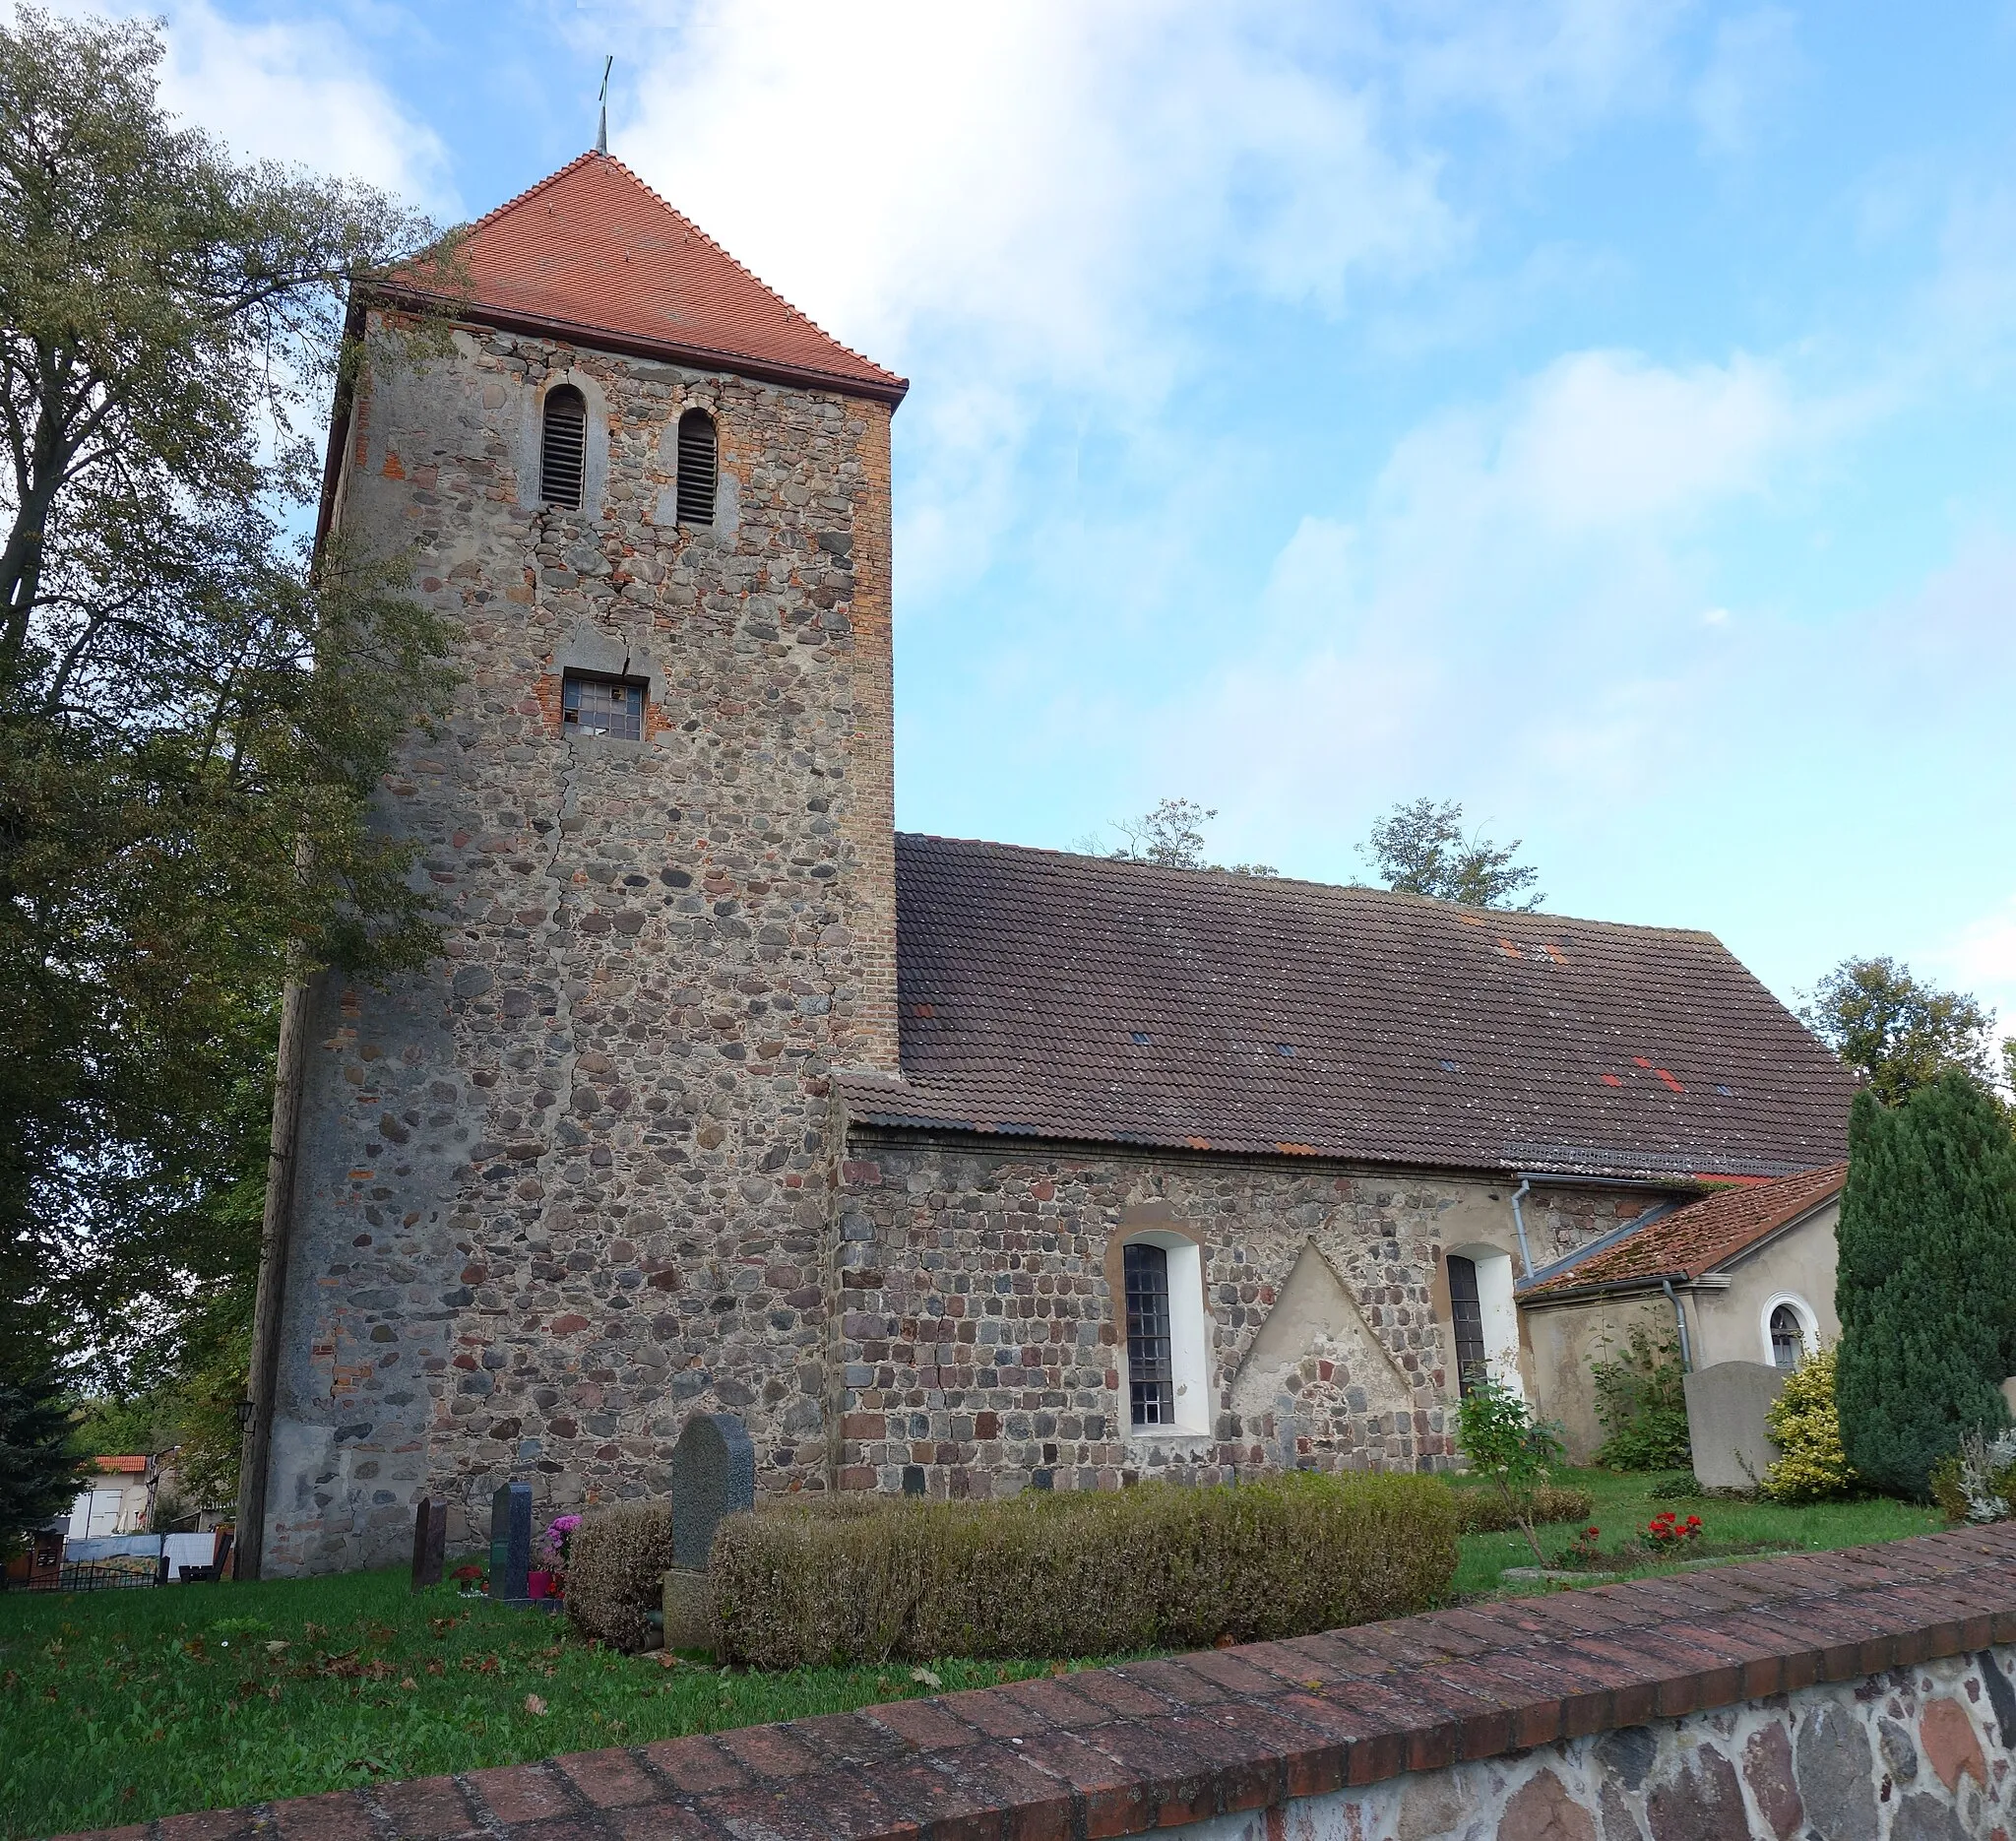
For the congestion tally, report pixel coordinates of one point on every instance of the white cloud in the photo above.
(1515, 616)
(1753, 68)
(1606, 438)
(1981, 958)
(1051, 177)
(293, 89)
(1547, 67)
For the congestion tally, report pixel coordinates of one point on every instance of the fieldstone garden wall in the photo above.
(1863, 1695)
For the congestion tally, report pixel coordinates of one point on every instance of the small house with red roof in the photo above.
(951, 1168)
(1746, 1274)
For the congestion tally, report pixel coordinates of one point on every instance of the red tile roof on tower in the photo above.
(593, 254)
(1072, 998)
(1699, 1237)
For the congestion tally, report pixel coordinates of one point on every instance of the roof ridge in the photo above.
(1459, 911)
(736, 262)
(531, 191)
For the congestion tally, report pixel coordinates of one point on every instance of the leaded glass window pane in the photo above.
(603, 706)
(1150, 1379)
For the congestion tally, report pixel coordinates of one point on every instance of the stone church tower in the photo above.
(574, 1181)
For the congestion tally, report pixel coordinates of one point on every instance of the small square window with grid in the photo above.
(1151, 1381)
(603, 706)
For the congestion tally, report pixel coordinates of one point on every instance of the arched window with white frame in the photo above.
(1790, 1331)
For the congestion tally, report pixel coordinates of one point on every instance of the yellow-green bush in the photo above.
(1485, 1511)
(616, 1565)
(1806, 1428)
(1161, 1565)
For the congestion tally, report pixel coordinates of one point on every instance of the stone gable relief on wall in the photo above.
(1316, 1370)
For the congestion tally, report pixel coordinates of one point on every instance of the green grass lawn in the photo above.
(1621, 1507)
(119, 1706)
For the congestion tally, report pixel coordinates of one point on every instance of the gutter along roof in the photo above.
(1075, 998)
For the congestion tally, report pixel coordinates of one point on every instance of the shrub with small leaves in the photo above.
(1098, 1572)
(1505, 1442)
(1978, 1482)
(1806, 1428)
(1641, 1399)
(617, 1561)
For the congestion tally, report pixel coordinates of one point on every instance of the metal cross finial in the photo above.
(602, 138)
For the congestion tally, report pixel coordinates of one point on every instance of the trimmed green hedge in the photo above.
(1485, 1511)
(1092, 1574)
(616, 1565)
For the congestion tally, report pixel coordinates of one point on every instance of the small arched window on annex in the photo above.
(1790, 1331)
(1166, 1386)
(563, 447)
(699, 467)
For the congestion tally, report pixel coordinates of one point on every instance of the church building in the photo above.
(952, 1167)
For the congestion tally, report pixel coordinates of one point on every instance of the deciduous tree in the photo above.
(185, 697)
(1897, 1031)
(1419, 848)
(1172, 837)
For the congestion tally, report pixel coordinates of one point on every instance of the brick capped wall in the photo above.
(978, 1340)
(574, 1182)
(1864, 1695)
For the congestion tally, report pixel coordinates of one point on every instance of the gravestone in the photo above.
(713, 1476)
(510, 1543)
(430, 1541)
(1727, 1405)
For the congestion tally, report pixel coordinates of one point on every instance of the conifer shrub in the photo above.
(1926, 1282)
(1811, 1466)
(1092, 1573)
(616, 1563)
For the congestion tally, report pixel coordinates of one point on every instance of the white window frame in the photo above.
(1189, 1337)
(1809, 1324)
(1498, 1309)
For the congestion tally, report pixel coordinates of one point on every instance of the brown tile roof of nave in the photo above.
(1071, 997)
(1700, 1236)
(593, 254)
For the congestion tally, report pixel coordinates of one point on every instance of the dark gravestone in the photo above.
(510, 1543)
(430, 1541)
(713, 1476)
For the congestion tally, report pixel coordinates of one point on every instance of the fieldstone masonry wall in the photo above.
(979, 1343)
(575, 1184)
(585, 1177)
(1915, 1755)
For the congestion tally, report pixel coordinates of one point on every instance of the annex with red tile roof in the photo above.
(1694, 1239)
(1073, 997)
(593, 254)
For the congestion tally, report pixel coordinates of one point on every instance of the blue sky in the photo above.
(1601, 415)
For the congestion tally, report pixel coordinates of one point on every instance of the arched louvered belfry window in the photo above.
(563, 447)
(698, 467)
